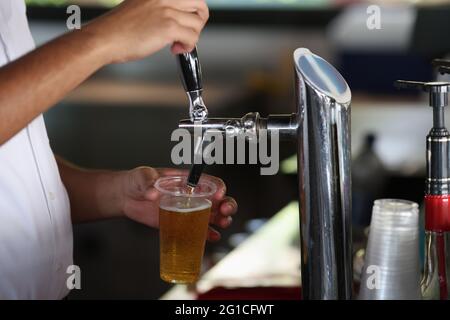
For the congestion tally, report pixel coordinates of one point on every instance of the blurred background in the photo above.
(123, 116)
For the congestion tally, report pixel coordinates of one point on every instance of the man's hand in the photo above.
(96, 195)
(133, 30)
(139, 199)
(136, 28)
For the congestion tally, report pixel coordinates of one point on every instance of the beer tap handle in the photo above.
(438, 90)
(438, 99)
(190, 71)
(191, 77)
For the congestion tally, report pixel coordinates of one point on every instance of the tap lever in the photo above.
(438, 162)
(441, 62)
(404, 84)
(444, 70)
(194, 174)
(190, 71)
(438, 90)
(425, 86)
(191, 77)
(442, 65)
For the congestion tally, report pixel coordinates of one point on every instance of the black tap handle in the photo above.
(194, 174)
(190, 71)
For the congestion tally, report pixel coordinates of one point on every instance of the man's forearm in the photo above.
(93, 195)
(38, 80)
(134, 30)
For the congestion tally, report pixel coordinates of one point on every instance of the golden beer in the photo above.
(184, 214)
(183, 232)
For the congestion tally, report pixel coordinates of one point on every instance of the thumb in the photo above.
(178, 48)
(147, 177)
(142, 181)
(152, 194)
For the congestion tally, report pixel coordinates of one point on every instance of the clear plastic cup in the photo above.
(391, 269)
(183, 226)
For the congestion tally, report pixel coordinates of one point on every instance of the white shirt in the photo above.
(35, 226)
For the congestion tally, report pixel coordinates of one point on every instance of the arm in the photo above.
(98, 195)
(40, 79)
(93, 194)
(135, 29)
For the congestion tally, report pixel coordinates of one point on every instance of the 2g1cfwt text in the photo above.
(238, 309)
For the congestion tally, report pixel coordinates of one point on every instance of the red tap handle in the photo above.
(437, 213)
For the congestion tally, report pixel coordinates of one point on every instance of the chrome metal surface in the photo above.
(191, 77)
(438, 145)
(321, 127)
(249, 125)
(438, 90)
(324, 157)
(197, 108)
(286, 125)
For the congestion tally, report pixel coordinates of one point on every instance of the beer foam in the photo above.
(181, 206)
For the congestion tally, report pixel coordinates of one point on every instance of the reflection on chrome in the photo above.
(321, 127)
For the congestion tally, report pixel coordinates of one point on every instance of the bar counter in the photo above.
(264, 266)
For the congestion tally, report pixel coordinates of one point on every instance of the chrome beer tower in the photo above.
(321, 127)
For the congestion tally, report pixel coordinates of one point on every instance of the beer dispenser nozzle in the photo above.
(438, 140)
(321, 128)
(191, 76)
(437, 190)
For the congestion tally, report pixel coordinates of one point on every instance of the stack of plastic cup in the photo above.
(391, 269)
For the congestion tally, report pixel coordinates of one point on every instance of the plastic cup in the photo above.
(183, 226)
(391, 270)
